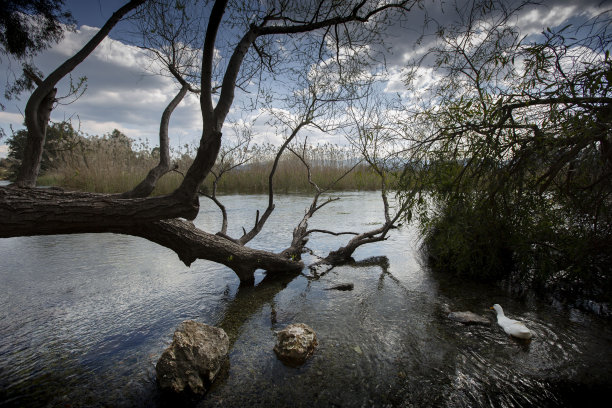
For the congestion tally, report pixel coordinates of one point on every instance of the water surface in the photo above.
(84, 318)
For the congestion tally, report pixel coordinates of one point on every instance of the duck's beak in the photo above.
(492, 308)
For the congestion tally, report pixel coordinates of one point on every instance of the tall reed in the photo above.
(111, 164)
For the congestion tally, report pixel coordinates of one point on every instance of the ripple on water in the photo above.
(84, 319)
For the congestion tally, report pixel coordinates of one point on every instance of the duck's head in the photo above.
(498, 309)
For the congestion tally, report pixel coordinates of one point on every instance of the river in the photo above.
(84, 318)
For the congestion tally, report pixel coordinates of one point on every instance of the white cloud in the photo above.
(395, 82)
(10, 117)
(536, 20)
(121, 93)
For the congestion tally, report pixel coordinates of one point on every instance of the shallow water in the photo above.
(84, 318)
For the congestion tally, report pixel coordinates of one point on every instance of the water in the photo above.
(84, 318)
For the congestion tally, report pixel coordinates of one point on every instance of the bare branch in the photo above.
(146, 186)
(322, 231)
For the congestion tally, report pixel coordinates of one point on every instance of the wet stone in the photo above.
(468, 318)
(295, 343)
(342, 286)
(193, 360)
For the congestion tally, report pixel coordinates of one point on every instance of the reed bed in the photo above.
(113, 165)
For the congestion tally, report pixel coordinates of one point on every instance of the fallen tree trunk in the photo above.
(44, 211)
(191, 243)
(28, 212)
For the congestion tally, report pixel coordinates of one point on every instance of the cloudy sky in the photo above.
(122, 93)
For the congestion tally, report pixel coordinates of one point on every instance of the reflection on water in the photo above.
(84, 318)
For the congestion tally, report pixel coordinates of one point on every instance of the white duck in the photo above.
(510, 326)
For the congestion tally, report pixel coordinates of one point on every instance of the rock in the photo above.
(445, 308)
(194, 358)
(342, 286)
(468, 318)
(295, 343)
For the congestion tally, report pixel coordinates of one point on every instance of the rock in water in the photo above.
(342, 286)
(295, 343)
(194, 358)
(468, 318)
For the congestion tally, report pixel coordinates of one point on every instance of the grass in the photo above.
(4, 171)
(291, 176)
(112, 166)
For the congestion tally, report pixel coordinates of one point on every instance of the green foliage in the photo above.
(4, 168)
(469, 241)
(29, 26)
(61, 137)
(511, 175)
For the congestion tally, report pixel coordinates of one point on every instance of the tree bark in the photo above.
(190, 244)
(344, 254)
(41, 211)
(32, 154)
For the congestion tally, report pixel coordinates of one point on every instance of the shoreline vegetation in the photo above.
(114, 163)
(470, 244)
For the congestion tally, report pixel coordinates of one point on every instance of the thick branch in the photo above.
(231, 75)
(41, 211)
(146, 186)
(558, 100)
(36, 122)
(334, 21)
(214, 22)
(344, 253)
(210, 142)
(191, 243)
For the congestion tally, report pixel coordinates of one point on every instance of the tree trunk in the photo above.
(190, 244)
(27, 212)
(36, 123)
(41, 211)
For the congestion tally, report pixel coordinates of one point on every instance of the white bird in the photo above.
(510, 326)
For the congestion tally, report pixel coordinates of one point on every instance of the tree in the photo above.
(339, 32)
(511, 166)
(170, 32)
(40, 104)
(28, 27)
(60, 137)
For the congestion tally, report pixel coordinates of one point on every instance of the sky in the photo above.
(122, 93)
